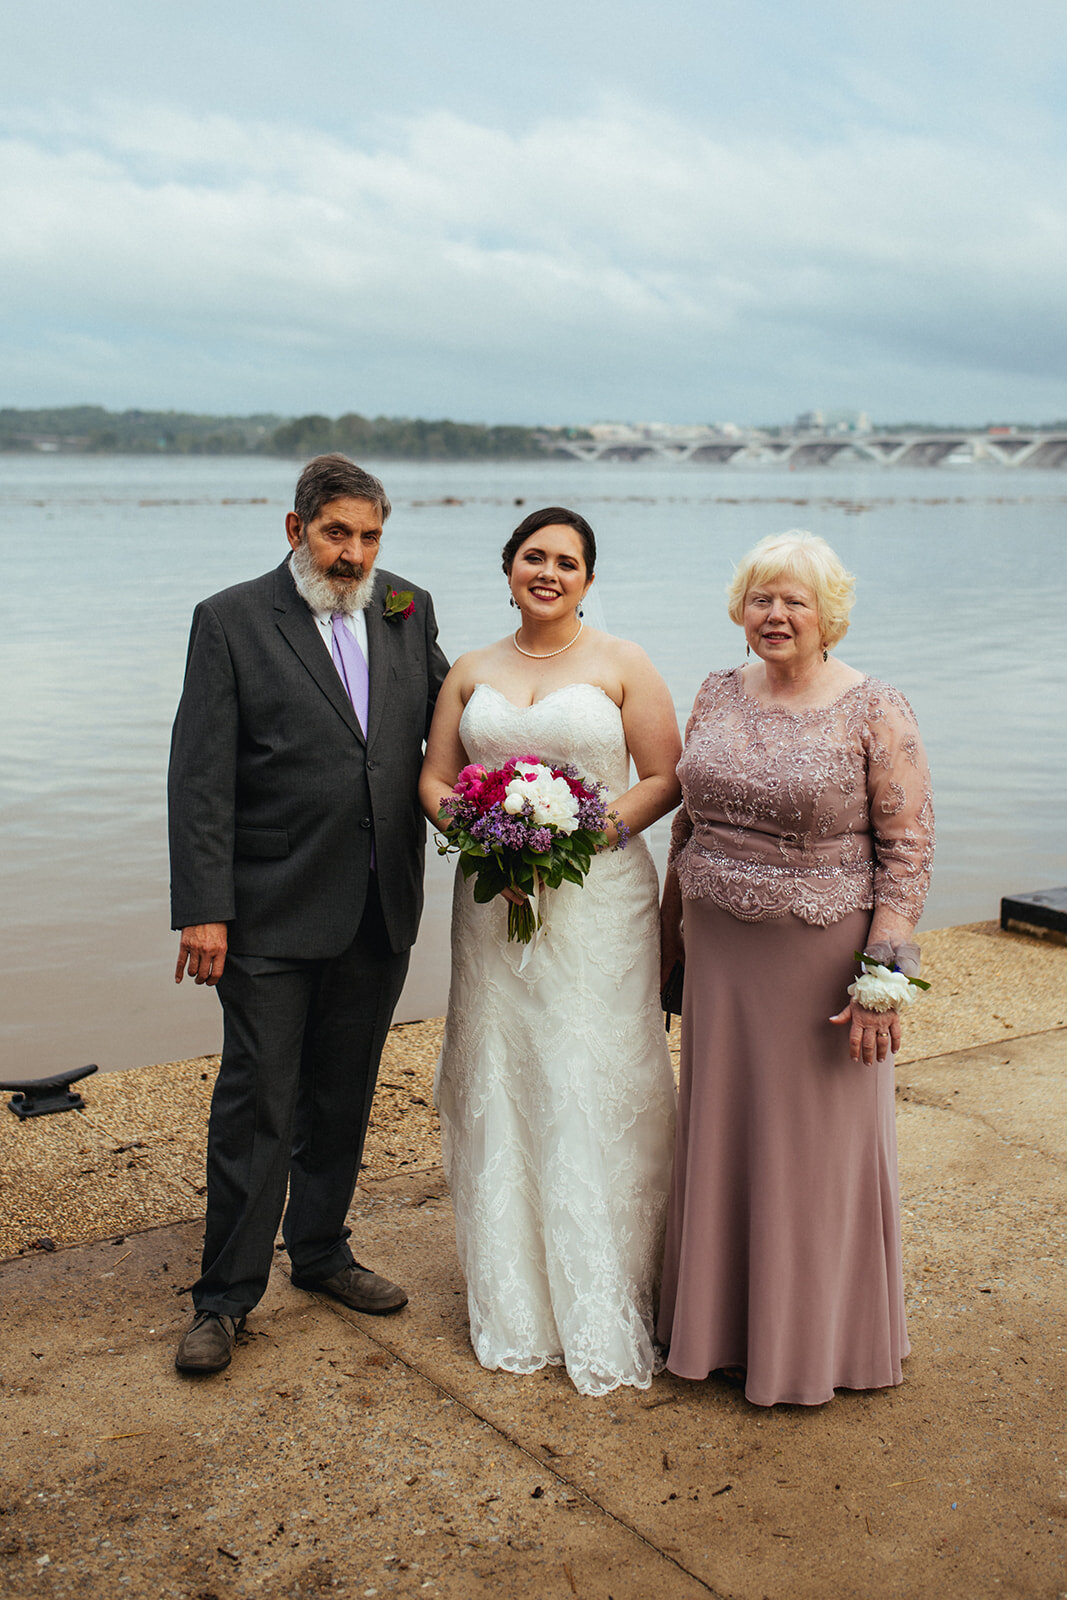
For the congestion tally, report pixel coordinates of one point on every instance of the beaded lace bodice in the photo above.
(818, 813)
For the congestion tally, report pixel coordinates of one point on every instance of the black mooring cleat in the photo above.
(39, 1097)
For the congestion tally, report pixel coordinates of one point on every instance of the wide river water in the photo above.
(962, 600)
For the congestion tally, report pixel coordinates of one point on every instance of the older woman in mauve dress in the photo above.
(805, 835)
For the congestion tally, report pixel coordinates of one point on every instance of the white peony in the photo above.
(878, 989)
(551, 801)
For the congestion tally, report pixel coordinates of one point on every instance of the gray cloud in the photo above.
(625, 261)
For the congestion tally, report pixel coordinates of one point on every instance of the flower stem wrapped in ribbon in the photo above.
(525, 825)
(881, 988)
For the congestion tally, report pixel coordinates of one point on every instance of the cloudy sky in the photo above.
(694, 210)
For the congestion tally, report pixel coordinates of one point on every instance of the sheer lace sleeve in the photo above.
(900, 804)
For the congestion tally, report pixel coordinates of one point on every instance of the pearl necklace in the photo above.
(548, 654)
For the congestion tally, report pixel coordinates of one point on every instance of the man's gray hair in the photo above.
(334, 477)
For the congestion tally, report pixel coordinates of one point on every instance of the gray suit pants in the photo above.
(301, 1046)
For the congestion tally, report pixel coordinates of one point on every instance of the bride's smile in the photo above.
(549, 576)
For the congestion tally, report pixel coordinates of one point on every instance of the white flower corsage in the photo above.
(880, 988)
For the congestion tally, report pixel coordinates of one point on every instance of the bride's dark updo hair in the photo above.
(549, 517)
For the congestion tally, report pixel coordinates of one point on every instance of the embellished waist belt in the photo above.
(786, 869)
(819, 892)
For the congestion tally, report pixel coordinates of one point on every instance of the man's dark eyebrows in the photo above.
(346, 527)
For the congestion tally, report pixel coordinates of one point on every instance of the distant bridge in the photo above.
(1022, 449)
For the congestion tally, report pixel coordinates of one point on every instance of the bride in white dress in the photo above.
(554, 1088)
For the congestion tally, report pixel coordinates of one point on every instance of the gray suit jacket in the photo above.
(275, 795)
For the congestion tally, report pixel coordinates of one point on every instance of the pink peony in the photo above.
(470, 780)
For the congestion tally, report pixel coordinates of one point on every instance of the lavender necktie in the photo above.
(351, 663)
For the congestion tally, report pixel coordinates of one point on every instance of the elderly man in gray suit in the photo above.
(296, 880)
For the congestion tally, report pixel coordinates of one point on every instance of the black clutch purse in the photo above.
(671, 993)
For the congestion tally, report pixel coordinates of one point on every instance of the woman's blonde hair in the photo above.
(809, 559)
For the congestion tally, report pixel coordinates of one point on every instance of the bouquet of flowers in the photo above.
(524, 825)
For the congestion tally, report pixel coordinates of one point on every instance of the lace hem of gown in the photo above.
(522, 1367)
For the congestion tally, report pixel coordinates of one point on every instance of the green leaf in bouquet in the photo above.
(521, 876)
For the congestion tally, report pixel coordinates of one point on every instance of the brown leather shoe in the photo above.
(357, 1287)
(208, 1345)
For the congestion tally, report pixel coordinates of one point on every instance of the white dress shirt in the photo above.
(356, 625)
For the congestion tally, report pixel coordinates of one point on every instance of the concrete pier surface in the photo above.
(374, 1457)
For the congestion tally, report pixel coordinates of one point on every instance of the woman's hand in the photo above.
(519, 897)
(872, 1034)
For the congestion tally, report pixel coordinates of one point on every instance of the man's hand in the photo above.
(204, 948)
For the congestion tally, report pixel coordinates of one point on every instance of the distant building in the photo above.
(848, 422)
(833, 422)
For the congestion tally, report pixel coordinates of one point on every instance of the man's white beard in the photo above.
(323, 593)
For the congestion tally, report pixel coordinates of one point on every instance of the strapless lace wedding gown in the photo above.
(554, 1087)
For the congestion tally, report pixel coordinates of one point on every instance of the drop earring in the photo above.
(825, 655)
(581, 613)
(513, 602)
(748, 651)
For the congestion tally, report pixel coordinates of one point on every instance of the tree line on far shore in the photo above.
(94, 430)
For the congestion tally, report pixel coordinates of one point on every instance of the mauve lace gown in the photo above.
(783, 1237)
(554, 1086)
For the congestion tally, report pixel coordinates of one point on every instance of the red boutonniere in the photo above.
(399, 603)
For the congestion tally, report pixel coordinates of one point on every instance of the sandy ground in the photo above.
(372, 1457)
